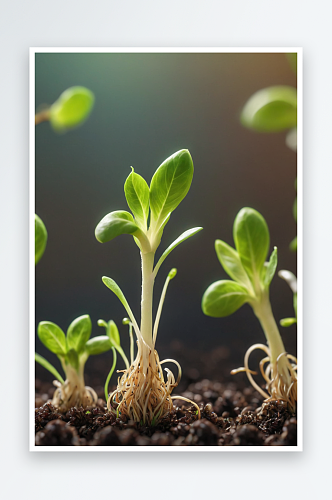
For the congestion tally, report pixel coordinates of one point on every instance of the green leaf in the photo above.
(173, 272)
(288, 321)
(252, 240)
(295, 209)
(169, 185)
(295, 303)
(137, 196)
(292, 59)
(40, 238)
(231, 262)
(45, 364)
(97, 345)
(271, 267)
(72, 358)
(118, 292)
(114, 224)
(184, 236)
(113, 333)
(223, 298)
(71, 109)
(79, 332)
(271, 109)
(293, 245)
(52, 337)
(157, 237)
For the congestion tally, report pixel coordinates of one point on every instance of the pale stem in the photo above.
(160, 307)
(264, 313)
(131, 343)
(42, 116)
(76, 378)
(123, 356)
(147, 295)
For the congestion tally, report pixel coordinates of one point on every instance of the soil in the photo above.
(229, 417)
(232, 411)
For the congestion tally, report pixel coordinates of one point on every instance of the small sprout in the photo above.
(88, 412)
(252, 275)
(70, 110)
(271, 109)
(73, 351)
(288, 322)
(40, 238)
(142, 393)
(172, 273)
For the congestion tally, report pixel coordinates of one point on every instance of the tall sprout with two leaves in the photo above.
(142, 393)
(251, 277)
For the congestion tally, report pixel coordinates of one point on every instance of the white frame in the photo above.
(35, 50)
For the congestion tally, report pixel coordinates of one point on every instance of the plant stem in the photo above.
(147, 296)
(263, 311)
(110, 375)
(76, 378)
(160, 307)
(42, 116)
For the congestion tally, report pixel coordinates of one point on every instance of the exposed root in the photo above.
(189, 401)
(142, 394)
(70, 394)
(281, 381)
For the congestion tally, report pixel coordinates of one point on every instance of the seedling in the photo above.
(142, 392)
(274, 109)
(40, 238)
(70, 110)
(73, 351)
(251, 281)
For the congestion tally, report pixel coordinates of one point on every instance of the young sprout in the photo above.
(40, 238)
(252, 277)
(73, 351)
(142, 392)
(70, 110)
(292, 283)
(112, 333)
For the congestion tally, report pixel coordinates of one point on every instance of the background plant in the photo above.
(142, 393)
(73, 350)
(70, 110)
(274, 109)
(251, 278)
(40, 238)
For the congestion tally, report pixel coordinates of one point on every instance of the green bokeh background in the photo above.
(147, 107)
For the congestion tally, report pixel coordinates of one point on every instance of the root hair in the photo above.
(276, 385)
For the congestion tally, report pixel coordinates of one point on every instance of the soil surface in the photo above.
(230, 416)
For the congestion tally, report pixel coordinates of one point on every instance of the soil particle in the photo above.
(44, 415)
(247, 435)
(269, 418)
(57, 433)
(106, 437)
(203, 433)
